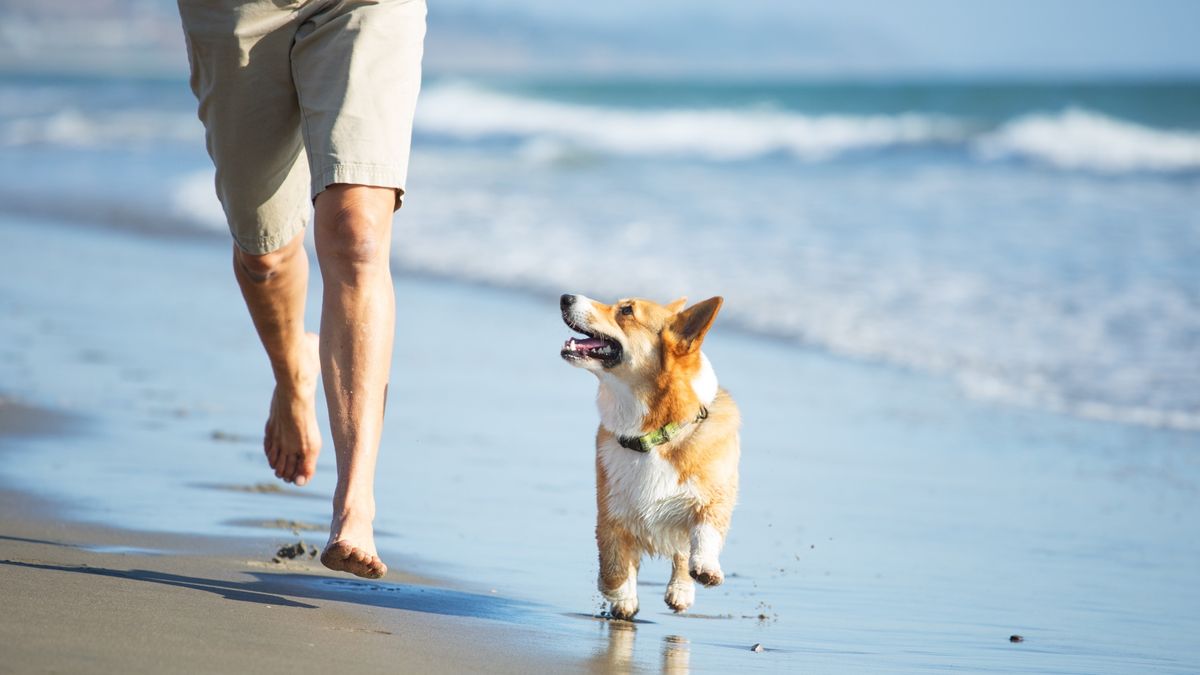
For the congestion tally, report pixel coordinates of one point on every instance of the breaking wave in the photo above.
(1086, 140)
(468, 113)
(1072, 139)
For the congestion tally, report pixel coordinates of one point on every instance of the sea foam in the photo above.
(1083, 139)
(469, 113)
(1070, 139)
(1073, 139)
(75, 128)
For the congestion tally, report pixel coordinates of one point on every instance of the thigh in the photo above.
(357, 69)
(239, 54)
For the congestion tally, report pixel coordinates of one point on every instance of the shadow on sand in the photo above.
(292, 590)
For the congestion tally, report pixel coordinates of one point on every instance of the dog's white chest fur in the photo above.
(647, 498)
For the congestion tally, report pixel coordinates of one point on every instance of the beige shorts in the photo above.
(298, 95)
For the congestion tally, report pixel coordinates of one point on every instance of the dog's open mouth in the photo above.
(593, 346)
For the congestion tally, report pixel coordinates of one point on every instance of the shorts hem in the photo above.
(373, 175)
(276, 239)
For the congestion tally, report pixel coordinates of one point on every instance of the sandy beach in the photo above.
(92, 599)
(885, 523)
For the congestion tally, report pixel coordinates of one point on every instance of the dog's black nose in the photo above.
(566, 301)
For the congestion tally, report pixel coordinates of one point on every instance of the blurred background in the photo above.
(957, 243)
(1004, 194)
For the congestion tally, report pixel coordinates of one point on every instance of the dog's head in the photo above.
(635, 339)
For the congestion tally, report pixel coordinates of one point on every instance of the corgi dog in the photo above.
(667, 447)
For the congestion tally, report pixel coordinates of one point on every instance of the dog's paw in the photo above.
(623, 609)
(680, 596)
(622, 600)
(708, 574)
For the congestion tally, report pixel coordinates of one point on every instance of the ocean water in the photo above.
(962, 321)
(1033, 243)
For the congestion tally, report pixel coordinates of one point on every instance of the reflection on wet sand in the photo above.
(675, 655)
(617, 654)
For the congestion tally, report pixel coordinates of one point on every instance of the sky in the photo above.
(885, 36)
(1034, 38)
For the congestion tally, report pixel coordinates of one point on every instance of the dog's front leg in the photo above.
(619, 559)
(681, 592)
(703, 564)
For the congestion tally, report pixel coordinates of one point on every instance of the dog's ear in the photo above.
(689, 326)
(674, 307)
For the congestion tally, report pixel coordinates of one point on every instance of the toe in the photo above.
(289, 468)
(344, 557)
(272, 450)
(306, 470)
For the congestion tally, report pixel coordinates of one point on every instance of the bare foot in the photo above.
(292, 439)
(351, 548)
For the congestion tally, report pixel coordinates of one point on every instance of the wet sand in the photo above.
(89, 598)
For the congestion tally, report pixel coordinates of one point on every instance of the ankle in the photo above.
(294, 380)
(295, 386)
(360, 510)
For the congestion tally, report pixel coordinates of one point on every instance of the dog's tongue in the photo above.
(585, 344)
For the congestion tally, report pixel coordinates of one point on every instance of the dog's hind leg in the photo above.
(681, 592)
(619, 559)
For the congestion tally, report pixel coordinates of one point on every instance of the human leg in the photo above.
(357, 71)
(353, 236)
(274, 287)
(240, 57)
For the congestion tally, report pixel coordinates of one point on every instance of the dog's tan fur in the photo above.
(676, 500)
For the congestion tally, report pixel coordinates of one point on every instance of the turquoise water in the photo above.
(1163, 103)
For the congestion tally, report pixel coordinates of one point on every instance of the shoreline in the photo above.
(119, 218)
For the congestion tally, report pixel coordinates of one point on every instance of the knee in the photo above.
(354, 239)
(264, 267)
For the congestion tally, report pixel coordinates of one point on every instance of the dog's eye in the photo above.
(627, 310)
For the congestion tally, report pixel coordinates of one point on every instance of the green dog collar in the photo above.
(661, 435)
